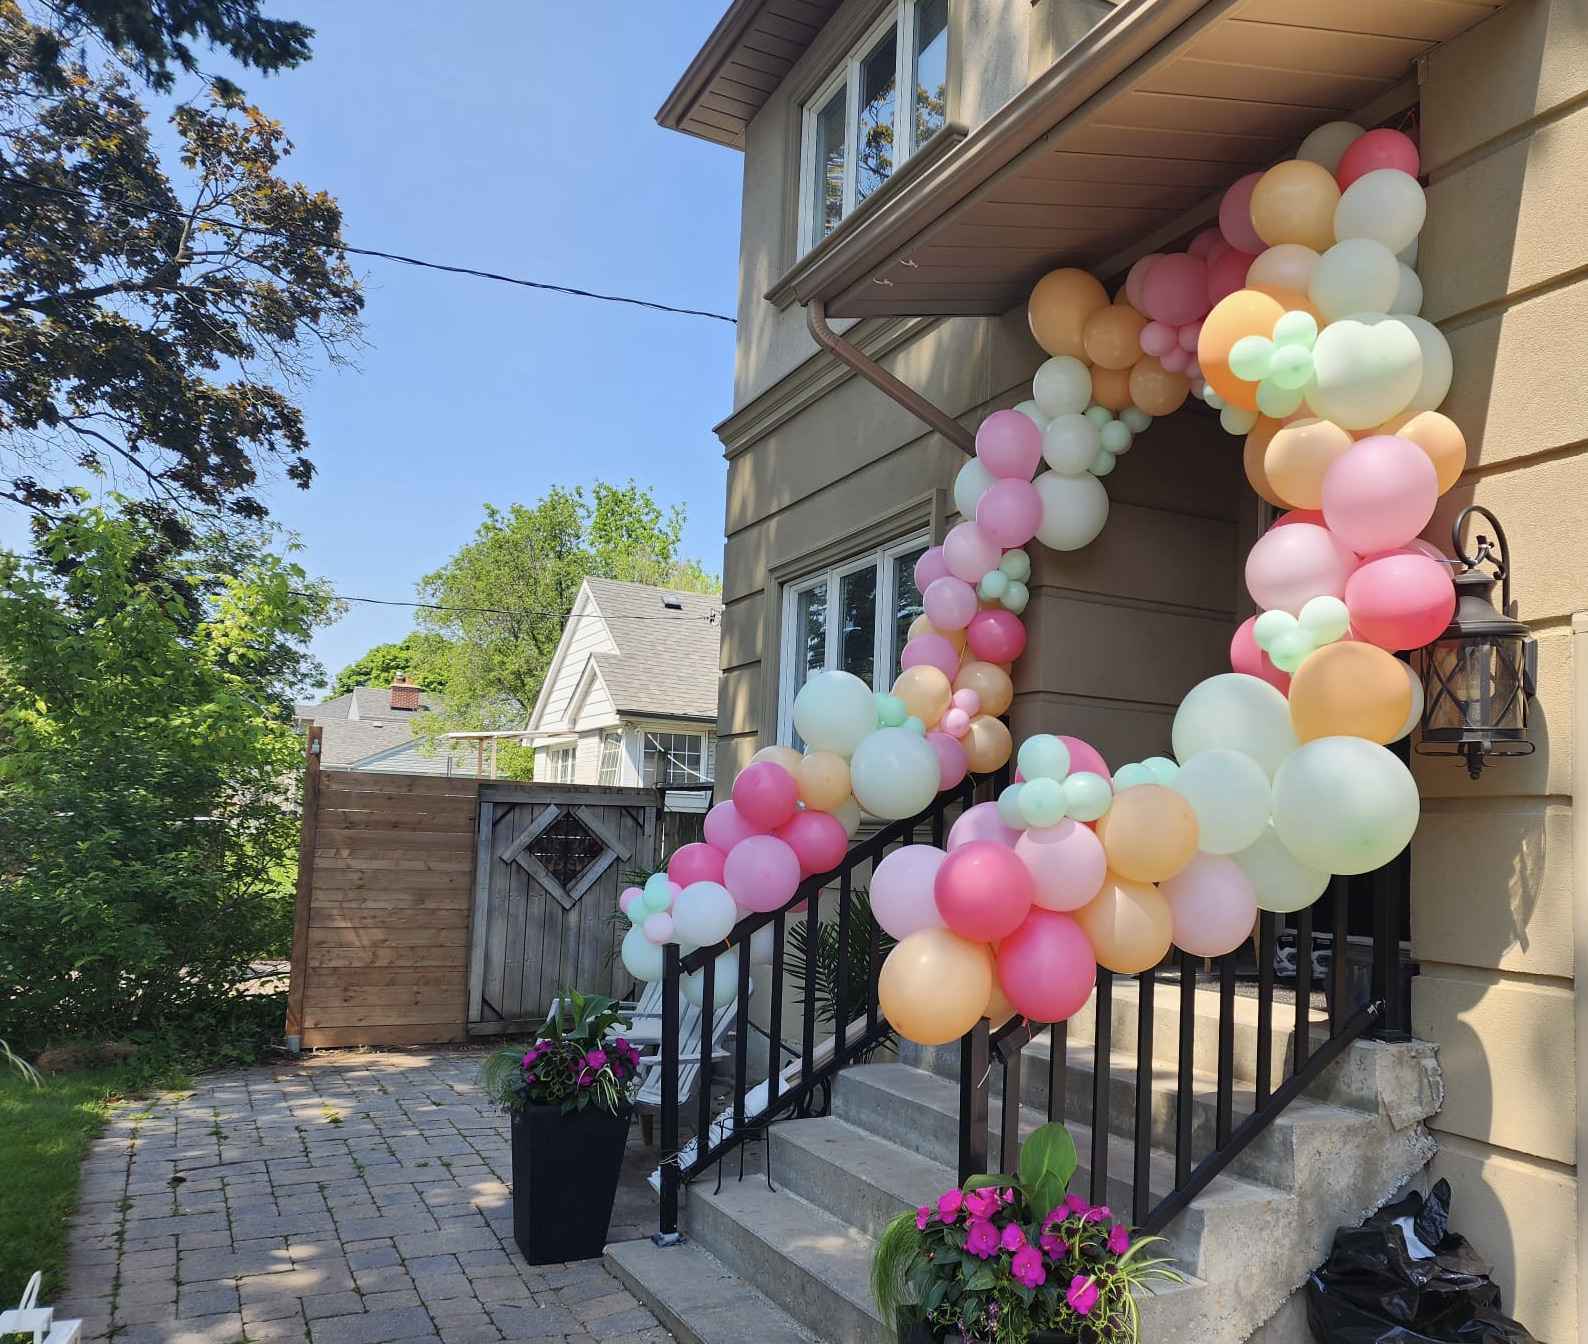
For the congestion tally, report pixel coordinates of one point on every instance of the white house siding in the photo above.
(586, 634)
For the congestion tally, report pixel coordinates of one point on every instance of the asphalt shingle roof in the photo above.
(667, 661)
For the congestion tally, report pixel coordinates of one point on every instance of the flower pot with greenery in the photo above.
(569, 1096)
(1008, 1259)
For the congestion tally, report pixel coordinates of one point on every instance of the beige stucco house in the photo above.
(1076, 132)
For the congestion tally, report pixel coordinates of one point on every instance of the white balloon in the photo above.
(1063, 386)
(895, 773)
(1359, 275)
(1344, 804)
(835, 711)
(1366, 369)
(1415, 714)
(1409, 297)
(970, 485)
(703, 912)
(1074, 510)
(1070, 443)
(762, 946)
(1034, 413)
(641, 958)
(1327, 144)
(1230, 795)
(1281, 881)
(1438, 368)
(1408, 254)
(1235, 712)
(848, 814)
(1385, 204)
(724, 987)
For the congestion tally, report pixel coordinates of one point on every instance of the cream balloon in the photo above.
(970, 485)
(1409, 297)
(1358, 275)
(1328, 143)
(1229, 794)
(895, 773)
(1289, 266)
(1438, 367)
(1074, 510)
(787, 757)
(1385, 204)
(1344, 804)
(1282, 882)
(1235, 712)
(1366, 368)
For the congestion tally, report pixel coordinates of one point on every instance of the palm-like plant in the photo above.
(818, 975)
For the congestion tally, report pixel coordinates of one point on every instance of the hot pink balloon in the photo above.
(929, 568)
(1009, 444)
(1010, 510)
(1137, 274)
(981, 822)
(1246, 657)
(818, 840)
(762, 873)
(931, 650)
(696, 863)
(1295, 562)
(1400, 601)
(956, 723)
(969, 552)
(953, 765)
(724, 827)
(1204, 242)
(1046, 967)
(1212, 905)
(765, 794)
(1383, 148)
(1379, 493)
(902, 890)
(1158, 338)
(1085, 757)
(1235, 216)
(996, 636)
(949, 603)
(1176, 289)
(1228, 274)
(983, 891)
(1066, 862)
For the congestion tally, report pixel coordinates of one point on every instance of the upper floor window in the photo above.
(611, 751)
(675, 758)
(857, 129)
(559, 761)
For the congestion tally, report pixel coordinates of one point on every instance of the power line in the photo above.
(288, 235)
(710, 617)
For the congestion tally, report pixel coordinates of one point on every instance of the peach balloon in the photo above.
(1156, 390)
(1113, 336)
(1247, 312)
(1437, 435)
(926, 692)
(1111, 387)
(922, 626)
(1256, 446)
(823, 779)
(1149, 833)
(1288, 265)
(1059, 307)
(1128, 924)
(935, 986)
(1295, 203)
(998, 1010)
(987, 744)
(990, 682)
(1297, 457)
(1350, 690)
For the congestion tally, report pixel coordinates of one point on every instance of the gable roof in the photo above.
(361, 723)
(667, 662)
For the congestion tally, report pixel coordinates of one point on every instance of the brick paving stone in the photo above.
(332, 1304)
(376, 1327)
(396, 1297)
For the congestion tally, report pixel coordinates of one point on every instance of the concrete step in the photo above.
(699, 1299)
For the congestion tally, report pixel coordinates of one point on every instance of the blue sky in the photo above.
(516, 138)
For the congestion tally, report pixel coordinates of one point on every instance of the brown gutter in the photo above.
(934, 417)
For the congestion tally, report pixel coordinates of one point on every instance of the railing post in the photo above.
(974, 1066)
(1391, 888)
(669, 1052)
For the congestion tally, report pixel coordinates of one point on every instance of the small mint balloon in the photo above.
(1099, 415)
(1277, 402)
(1249, 357)
(1296, 328)
(1016, 565)
(657, 898)
(1291, 367)
(1129, 776)
(1291, 649)
(1116, 436)
(1042, 802)
(1270, 626)
(1162, 769)
(1009, 807)
(891, 711)
(1212, 398)
(1016, 598)
(1325, 618)
(1103, 463)
(1086, 796)
(914, 725)
(1135, 419)
(994, 584)
(1238, 420)
(1043, 757)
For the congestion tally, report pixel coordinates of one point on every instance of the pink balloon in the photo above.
(724, 827)
(658, 928)
(762, 872)
(956, 723)
(1382, 148)
(696, 863)
(1187, 337)
(1158, 338)
(1193, 371)
(1246, 657)
(968, 700)
(1212, 905)
(902, 887)
(931, 650)
(1176, 289)
(949, 603)
(1221, 248)
(1400, 601)
(969, 552)
(1426, 548)
(981, 822)
(1292, 563)
(765, 794)
(626, 895)
(929, 568)
(1010, 510)
(1235, 216)
(1046, 967)
(1138, 274)
(1228, 274)
(818, 840)
(983, 891)
(1379, 493)
(1204, 242)
(1066, 863)
(952, 762)
(1175, 361)
(1009, 444)
(1314, 516)
(996, 636)
(1085, 757)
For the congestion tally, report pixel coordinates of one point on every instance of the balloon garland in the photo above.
(1296, 318)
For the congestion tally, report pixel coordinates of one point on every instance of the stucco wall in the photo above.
(1504, 140)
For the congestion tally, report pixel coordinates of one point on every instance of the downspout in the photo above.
(934, 417)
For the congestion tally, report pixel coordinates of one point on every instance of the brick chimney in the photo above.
(404, 693)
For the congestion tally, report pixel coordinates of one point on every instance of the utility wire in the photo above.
(710, 617)
(288, 235)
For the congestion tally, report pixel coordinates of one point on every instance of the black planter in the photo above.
(565, 1176)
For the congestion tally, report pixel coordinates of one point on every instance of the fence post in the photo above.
(975, 1063)
(305, 891)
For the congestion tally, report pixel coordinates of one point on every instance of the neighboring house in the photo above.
(1077, 132)
(630, 698)
(373, 728)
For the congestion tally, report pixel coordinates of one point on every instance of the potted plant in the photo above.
(569, 1096)
(1007, 1259)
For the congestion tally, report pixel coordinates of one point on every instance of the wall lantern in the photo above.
(1479, 674)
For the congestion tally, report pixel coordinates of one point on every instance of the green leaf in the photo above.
(1050, 1151)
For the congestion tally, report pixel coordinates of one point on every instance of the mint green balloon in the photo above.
(1043, 757)
(1016, 597)
(1238, 420)
(1099, 415)
(1213, 401)
(1016, 565)
(1325, 618)
(1086, 796)
(656, 898)
(1277, 402)
(835, 711)
(994, 584)
(1135, 419)
(1296, 328)
(915, 726)
(1116, 436)
(1163, 769)
(1344, 805)
(1104, 463)
(1249, 357)
(1042, 802)
(1009, 806)
(1291, 366)
(1270, 626)
(1129, 776)
(891, 710)
(1289, 650)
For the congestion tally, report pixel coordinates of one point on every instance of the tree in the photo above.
(420, 656)
(146, 753)
(504, 598)
(147, 333)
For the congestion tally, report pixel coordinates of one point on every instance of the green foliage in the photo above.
(151, 331)
(510, 590)
(420, 656)
(575, 1061)
(819, 977)
(146, 758)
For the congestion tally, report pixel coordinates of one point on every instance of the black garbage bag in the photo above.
(1404, 1278)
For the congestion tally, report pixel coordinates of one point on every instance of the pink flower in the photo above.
(949, 1204)
(1081, 1294)
(1053, 1245)
(596, 1058)
(982, 1203)
(1075, 1204)
(1013, 1238)
(981, 1239)
(1027, 1267)
(923, 1216)
(1118, 1239)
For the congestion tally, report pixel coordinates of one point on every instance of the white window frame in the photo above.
(610, 758)
(791, 671)
(561, 762)
(699, 775)
(900, 14)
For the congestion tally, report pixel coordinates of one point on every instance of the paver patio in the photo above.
(347, 1198)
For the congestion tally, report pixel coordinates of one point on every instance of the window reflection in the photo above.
(931, 68)
(830, 162)
(874, 137)
(906, 601)
(858, 649)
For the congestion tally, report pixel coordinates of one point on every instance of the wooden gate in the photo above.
(549, 862)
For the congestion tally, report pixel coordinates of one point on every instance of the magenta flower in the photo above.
(1075, 1204)
(1013, 1238)
(1118, 1239)
(1081, 1294)
(982, 1203)
(1027, 1267)
(596, 1058)
(1053, 1245)
(923, 1216)
(949, 1204)
(981, 1239)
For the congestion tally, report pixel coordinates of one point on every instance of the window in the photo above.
(611, 753)
(857, 130)
(559, 762)
(853, 617)
(675, 758)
